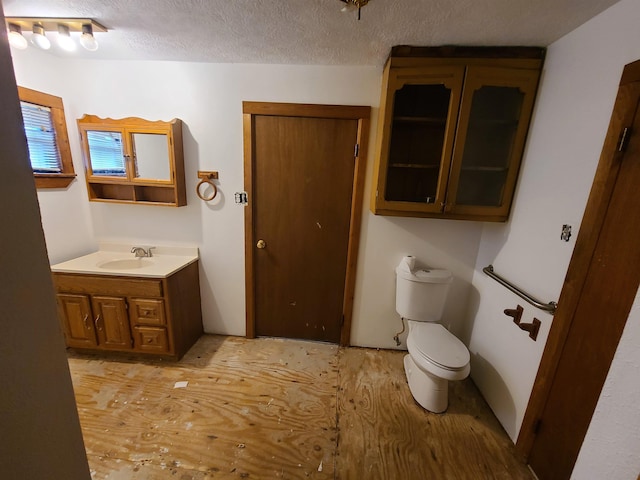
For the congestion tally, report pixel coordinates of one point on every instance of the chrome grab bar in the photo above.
(547, 307)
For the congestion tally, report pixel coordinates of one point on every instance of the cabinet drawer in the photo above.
(150, 339)
(147, 311)
(118, 286)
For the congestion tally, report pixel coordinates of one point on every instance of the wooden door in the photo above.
(305, 181)
(77, 323)
(112, 322)
(599, 291)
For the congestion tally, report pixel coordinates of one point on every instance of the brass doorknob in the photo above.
(261, 244)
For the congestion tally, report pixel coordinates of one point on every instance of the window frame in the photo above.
(67, 175)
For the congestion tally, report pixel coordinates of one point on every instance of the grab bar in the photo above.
(547, 307)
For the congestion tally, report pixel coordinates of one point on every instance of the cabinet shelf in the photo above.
(489, 122)
(484, 169)
(432, 121)
(114, 192)
(413, 165)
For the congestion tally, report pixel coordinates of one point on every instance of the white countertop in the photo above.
(117, 259)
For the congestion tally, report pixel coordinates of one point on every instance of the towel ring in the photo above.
(205, 178)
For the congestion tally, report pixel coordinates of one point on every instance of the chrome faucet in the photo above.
(141, 252)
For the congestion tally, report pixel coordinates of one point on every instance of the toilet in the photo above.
(435, 355)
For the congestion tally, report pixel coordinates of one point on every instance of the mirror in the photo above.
(106, 153)
(151, 156)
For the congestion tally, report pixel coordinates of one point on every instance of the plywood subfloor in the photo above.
(271, 408)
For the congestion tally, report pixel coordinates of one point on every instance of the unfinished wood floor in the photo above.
(270, 408)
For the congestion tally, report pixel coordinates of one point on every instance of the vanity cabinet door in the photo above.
(77, 320)
(111, 322)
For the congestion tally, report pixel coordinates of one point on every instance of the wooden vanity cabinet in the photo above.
(156, 316)
(452, 127)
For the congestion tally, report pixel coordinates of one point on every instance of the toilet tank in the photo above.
(421, 294)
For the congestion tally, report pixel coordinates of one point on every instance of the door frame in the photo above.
(601, 191)
(359, 113)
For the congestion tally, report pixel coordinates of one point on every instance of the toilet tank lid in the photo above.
(426, 275)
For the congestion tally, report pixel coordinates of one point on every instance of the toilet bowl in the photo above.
(435, 355)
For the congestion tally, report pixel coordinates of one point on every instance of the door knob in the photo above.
(261, 244)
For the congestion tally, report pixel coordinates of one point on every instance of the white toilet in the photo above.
(435, 355)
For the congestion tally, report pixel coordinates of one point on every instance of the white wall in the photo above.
(65, 212)
(574, 105)
(208, 99)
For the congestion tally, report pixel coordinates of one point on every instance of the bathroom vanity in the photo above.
(112, 301)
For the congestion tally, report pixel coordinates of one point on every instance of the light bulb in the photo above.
(16, 39)
(348, 7)
(64, 39)
(39, 39)
(87, 40)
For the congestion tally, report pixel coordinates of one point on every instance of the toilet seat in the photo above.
(436, 350)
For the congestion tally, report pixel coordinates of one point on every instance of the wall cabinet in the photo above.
(159, 316)
(132, 160)
(452, 128)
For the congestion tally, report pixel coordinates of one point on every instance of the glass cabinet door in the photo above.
(421, 114)
(494, 115)
(417, 140)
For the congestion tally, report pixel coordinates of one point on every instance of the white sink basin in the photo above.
(126, 264)
(117, 259)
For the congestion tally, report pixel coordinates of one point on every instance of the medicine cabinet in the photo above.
(132, 160)
(452, 128)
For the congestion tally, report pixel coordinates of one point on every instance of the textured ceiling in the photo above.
(307, 31)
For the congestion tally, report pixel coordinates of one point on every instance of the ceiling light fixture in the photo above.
(66, 29)
(64, 39)
(39, 39)
(16, 39)
(353, 4)
(87, 40)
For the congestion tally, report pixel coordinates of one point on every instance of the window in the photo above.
(47, 139)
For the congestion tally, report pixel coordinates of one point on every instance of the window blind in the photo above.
(105, 150)
(41, 138)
